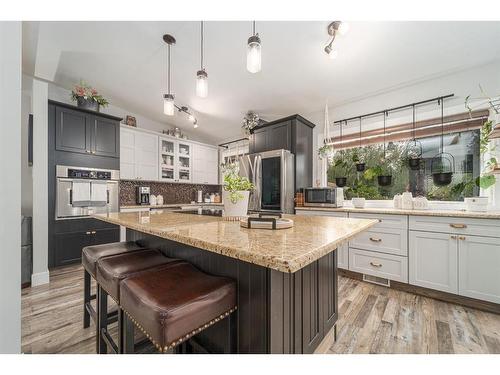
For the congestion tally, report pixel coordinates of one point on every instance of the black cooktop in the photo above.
(202, 211)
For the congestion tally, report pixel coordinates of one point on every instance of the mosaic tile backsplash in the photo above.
(172, 193)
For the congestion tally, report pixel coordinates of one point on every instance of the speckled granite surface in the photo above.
(285, 250)
(395, 211)
(173, 205)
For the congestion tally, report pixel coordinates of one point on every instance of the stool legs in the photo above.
(128, 335)
(86, 298)
(102, 320)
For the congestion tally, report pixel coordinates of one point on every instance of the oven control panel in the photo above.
(95, 175)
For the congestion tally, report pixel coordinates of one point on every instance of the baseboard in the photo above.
(40, 278)
(431, 293)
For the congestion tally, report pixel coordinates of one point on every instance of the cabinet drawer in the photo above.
(386, 221)
(387, 266)
(456, 225)
(390, 241)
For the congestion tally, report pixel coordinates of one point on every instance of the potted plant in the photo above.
(87, 97)
(236, 191)
(383, 172)
(341, 167)
(358, 159)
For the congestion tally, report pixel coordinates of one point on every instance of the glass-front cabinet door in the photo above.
(184, 161)
(167, 160)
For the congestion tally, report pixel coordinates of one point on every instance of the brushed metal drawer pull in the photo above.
(94, 232)
(376, 264)
(375, 239)
(88, 232)
(462, 238)
(458, 226)
(453, 237)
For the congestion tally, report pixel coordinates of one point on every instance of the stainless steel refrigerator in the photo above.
(273, 174)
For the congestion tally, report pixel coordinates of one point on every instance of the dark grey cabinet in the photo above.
(68, 246)
(86, 133)
(293, 133)
(73, 131)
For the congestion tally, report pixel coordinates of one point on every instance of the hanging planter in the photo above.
(384, 180)
(443, 164)
(341, 181)
(360, 167)
(415, 149)
(442, 168)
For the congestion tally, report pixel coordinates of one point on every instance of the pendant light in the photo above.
(443, 164)
(201, 75)
(360, 164)
(254, 52)
(384, 179)
(168, 98)
(415, 150)
(342, 180)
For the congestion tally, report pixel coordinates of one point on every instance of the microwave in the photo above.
(323, 197)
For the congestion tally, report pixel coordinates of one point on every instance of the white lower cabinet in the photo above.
(479, 267)
(387, 266)
(433, 259)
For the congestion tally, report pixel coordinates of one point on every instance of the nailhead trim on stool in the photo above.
(186, 337)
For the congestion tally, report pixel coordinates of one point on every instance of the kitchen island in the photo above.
(287, 279)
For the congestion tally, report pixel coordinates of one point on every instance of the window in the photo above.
(463, 146)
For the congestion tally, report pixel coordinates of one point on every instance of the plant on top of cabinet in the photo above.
(250, 121)
(236, 191)
(87, 97)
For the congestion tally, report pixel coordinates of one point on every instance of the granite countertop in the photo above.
(170, 205)
(285, 250)
(397, 211)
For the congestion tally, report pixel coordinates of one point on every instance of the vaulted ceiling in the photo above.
(126, 62)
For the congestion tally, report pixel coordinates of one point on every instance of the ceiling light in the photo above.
(168, 98)
(254, 52)
(201, 75)
(334, 28)
(343, 28)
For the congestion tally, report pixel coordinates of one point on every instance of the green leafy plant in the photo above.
(325, 152)
(234, 183)
(363, 190)
(487, 178)
(87, 92)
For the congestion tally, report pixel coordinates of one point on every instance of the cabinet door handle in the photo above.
(453, 237)
(458, 226)
(88, 232)
(375, 239)
(378, 265)
(462, 238)
(87, 151)
(93, 151)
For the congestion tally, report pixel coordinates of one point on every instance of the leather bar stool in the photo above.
(170, 306)
(111, 271)
(90, 256)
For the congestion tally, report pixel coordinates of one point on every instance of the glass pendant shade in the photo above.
(201, 84)
(254, 54)
(168, 104)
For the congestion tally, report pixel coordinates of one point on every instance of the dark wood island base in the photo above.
(277, 312)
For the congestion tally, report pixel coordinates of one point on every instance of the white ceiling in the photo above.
(126, 62)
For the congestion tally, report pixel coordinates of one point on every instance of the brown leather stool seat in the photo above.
(112, 270)
(91, 254)
(172, 305)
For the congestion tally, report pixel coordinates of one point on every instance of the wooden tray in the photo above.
(266, 223)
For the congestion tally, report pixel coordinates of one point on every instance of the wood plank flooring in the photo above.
(373, 319)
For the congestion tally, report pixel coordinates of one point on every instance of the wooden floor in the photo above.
(373, 319)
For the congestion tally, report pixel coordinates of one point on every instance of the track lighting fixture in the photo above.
(334, 28)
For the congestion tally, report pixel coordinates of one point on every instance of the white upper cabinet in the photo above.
(138, 155)
(205, 164)
(145, 155)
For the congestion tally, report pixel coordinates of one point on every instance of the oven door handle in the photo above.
(71, 197)
(107, 196)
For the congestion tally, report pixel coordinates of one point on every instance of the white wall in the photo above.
(40, 183)
(460, 83)
(10, 170)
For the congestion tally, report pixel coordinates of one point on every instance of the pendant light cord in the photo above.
(441, 103)
(385, 114)
(360, 132)
(201, 46)
(168, 68)
(253, 27)
(414, 138)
